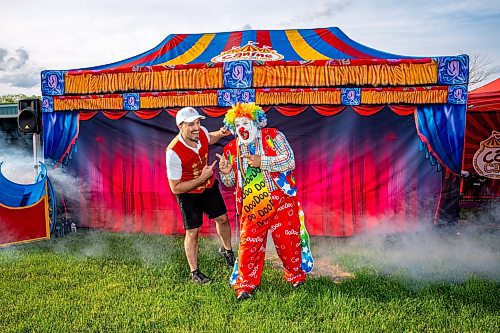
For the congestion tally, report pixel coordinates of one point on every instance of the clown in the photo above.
(259, 162)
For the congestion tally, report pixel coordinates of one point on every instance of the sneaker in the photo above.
(198, 277)
(298, 284)
(228, 255)
(243, 296)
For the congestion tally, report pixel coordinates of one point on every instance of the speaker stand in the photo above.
(36, 149)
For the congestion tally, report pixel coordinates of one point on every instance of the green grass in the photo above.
(95, 281)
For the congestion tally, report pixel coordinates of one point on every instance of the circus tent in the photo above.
(371, 130)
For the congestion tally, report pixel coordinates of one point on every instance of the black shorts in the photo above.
(193, 205)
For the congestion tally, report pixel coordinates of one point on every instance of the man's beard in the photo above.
(194, 137)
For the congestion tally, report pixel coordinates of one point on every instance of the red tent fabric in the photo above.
(493, 86)
(482, 134)
(485, 98)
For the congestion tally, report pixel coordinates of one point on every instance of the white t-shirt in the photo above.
(174, 164)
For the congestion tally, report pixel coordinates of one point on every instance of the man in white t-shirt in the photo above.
(191, 179)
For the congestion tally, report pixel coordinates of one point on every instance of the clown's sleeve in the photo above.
(228, 179)
(284, 159)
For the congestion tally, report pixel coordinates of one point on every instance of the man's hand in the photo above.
(224, 165)
(253, 160)
(207, 171)
(215, 136)
(224, 131)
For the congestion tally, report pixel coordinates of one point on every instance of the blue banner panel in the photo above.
(237, 74)
(453, 70)
(53, 83)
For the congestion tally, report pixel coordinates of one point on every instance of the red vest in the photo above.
(230, 152)
(192, 163)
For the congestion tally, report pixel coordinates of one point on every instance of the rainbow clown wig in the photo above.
(247, 110)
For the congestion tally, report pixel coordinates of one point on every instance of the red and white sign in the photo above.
(486, 160)
(248, 52)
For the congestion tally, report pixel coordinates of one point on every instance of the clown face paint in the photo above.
(245, 129)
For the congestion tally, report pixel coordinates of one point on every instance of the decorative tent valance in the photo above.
(262, 96)
(422, 81)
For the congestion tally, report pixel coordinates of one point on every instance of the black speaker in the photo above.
(29, 117)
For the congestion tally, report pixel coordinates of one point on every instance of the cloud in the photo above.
(18, 70)
(25, 78)
(321, 10)
(327, 9)
(13, 62)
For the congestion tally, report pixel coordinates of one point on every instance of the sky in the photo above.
(68, 34)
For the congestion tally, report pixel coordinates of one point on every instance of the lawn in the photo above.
(96, 281)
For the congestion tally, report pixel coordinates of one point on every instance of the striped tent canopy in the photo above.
(268, 67)
(299, 44)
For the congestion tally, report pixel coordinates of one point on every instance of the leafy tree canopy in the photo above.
(13, 98)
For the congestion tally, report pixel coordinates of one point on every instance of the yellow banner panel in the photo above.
(95, 103)
(297, 97)
(405, 97)
(205, 99)
(403, 74)
(159, 80)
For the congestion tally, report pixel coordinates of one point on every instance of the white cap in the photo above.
(187, 114)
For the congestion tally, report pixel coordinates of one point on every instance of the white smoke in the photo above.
(16, 153)
(17, 157)
(427, 253)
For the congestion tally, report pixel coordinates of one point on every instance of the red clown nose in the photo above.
(243, 133)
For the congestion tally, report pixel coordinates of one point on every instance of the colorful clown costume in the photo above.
(265, 200)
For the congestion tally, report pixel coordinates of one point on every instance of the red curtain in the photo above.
(354, 172)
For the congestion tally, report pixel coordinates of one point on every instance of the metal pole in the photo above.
(36, 143)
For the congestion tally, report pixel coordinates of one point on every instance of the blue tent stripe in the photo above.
(184, 46)
(248, 35)
(365, 49)
(281, 44)
(215, 47)
(312, 38)
(129, 60)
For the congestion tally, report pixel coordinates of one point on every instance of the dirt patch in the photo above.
(322, 268)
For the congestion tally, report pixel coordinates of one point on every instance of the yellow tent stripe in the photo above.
(193, 52)
(304, 50)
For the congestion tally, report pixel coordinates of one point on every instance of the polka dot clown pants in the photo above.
(284, 226)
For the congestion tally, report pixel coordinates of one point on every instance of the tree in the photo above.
(13, 98)
(480, 69)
